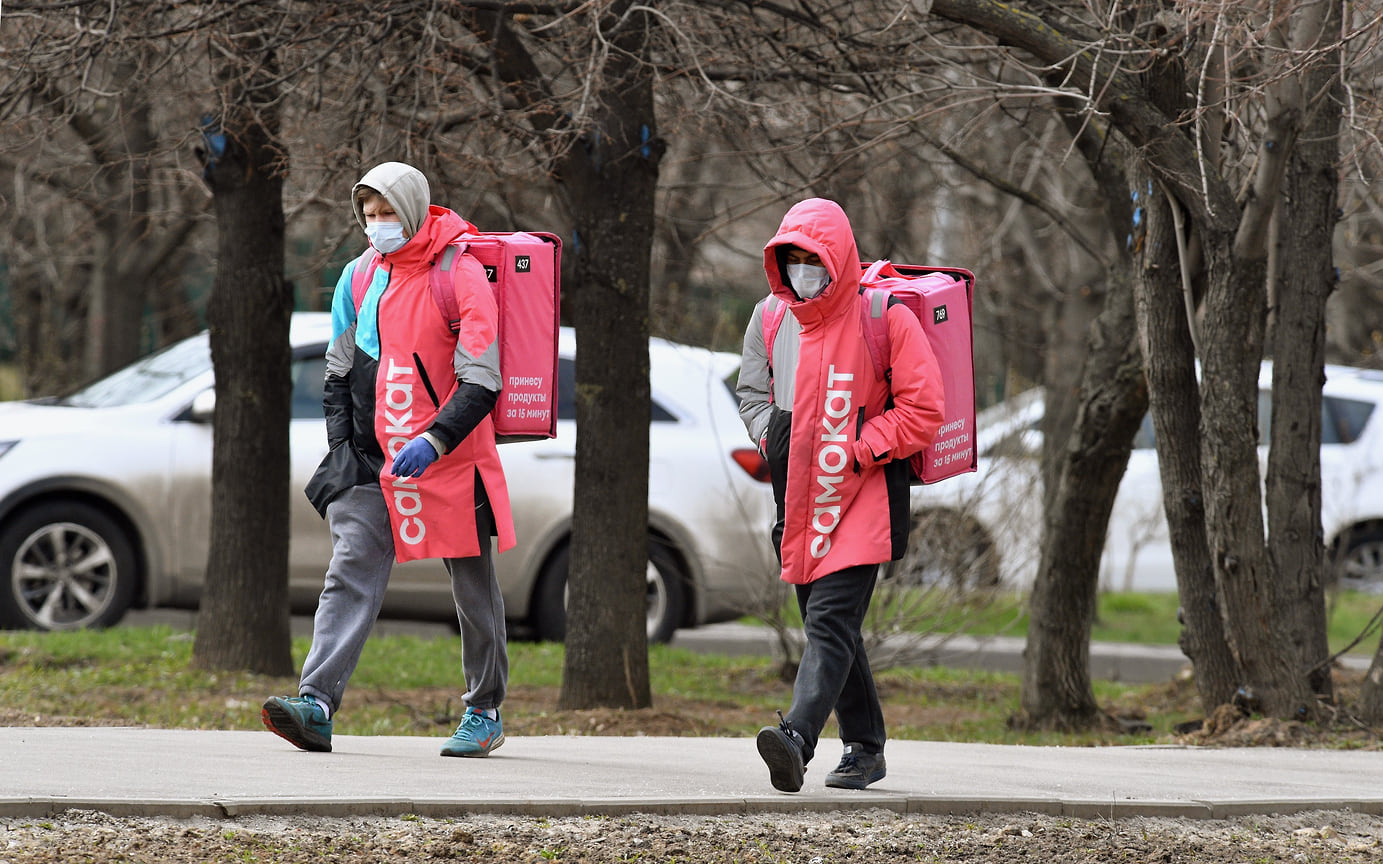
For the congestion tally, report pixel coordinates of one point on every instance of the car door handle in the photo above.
(552, 454)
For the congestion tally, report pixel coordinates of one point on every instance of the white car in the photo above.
(105, 498)
(985, 528)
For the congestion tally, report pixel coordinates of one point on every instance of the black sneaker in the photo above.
(857, 769)
(781, 749)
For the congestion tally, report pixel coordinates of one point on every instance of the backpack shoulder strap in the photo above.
(442, 279)
(774, 310)
(361, 275)
(874, 306)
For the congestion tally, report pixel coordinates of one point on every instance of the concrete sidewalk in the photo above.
(180, 773)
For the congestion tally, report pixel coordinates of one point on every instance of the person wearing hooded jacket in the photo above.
(412, 470)
(835, 437)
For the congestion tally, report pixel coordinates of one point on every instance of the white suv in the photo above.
(996, 513)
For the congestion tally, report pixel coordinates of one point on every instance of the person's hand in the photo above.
(414, 458)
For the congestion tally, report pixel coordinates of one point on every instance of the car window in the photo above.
(148, 379)
(566, 395)
(309, 376)
(1342, 420)
(1144, 438)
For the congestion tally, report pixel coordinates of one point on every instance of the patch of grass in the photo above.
(407, 685)
(1147, 619)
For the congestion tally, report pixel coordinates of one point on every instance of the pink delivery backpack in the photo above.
(941, 298)
(524, 270)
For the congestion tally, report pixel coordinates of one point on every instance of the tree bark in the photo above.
(1056, 689)
(1169, 360)
(1250, 600)
(608, 179)
(611, 192)
(242, 623)
(1087, 440)
(122, 278)
(1232, 235)
(1167, 301)
(1304, 280)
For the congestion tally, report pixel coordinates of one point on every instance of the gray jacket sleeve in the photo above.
(752, 388)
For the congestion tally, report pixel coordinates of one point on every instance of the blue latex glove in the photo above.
(414, 458)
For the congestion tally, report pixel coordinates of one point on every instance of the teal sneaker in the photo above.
(476, 736)
(299, 721)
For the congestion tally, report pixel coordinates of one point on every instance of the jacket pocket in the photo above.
(859, 431)
(427, 382)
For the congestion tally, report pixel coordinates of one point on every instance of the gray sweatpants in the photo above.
(362, 558)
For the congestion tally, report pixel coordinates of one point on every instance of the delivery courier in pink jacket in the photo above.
(820, 414)
(833, 433)
(411, 469)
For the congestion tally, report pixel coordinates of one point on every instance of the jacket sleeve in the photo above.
(470, 404)
(752, 387)
(336, 392)
(919, 395)
(476, 360)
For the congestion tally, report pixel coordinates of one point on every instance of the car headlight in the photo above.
(5, 446)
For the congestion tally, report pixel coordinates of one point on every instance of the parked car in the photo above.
(985, 528)
(105, 497)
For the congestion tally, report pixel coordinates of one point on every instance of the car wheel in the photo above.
(666, 595)
(948, 549)
(66, 566)
(1360, 568)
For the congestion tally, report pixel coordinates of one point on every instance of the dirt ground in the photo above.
(819, 838)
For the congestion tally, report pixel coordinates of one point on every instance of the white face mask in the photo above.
(386, 237)
(807, 280)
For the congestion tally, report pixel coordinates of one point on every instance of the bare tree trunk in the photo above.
(1251, 600)
(1306, 218)
(612, 197)
(608, 178)
(1169, 359)
(243, 620)
(121, 283)
(1088, 436)
(1056, 689)
(1232, 229)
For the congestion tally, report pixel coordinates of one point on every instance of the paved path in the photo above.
(181, 773)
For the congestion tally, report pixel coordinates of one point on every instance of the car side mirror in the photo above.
(203, 406)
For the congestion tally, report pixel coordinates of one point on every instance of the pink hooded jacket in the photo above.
(836, 500)
(433, 516)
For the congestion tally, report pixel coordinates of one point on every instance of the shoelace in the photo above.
(788, 730)
(849, 762)
(474, 720)
(315, 713)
